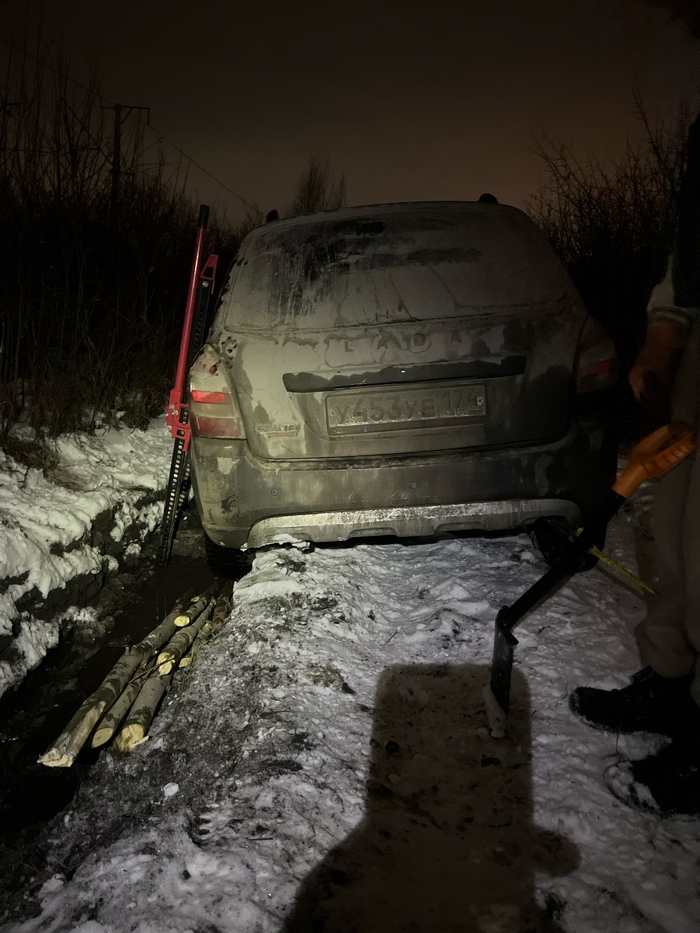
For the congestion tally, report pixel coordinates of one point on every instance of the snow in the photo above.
(327, 761)
(49, 528)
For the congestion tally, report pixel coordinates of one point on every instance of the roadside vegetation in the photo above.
(96, 236)
(317, 190)
(613, 224)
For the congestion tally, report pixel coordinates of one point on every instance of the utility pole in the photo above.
(116, 169)
(116, 162)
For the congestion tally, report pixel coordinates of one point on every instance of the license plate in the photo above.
(397, 409)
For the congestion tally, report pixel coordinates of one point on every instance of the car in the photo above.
(407, 369)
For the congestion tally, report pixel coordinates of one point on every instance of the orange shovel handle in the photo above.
(655, 455)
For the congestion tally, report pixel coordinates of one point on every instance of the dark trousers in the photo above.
(669, 636)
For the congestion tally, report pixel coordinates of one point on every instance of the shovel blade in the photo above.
(504, 642)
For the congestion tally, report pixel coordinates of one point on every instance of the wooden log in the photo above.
(65, 749)
(212, 626)
(199, 604)
(222, 608)
(168, 626)
(180, 643)
(140, 716)
(67, 746)
(138, 722)
(204, 635)
(112, 718)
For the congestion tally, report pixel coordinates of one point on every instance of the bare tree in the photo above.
(317, 190)
(613, 225)
(89, 308)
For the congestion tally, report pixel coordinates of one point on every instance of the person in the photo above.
(664, 697)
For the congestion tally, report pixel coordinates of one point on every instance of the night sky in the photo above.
(412, 101)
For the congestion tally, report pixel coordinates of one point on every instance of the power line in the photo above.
(186, 155)
(111, 105)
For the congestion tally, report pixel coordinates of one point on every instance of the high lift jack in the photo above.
(199, 296)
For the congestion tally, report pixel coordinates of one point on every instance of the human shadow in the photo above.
(447, 843)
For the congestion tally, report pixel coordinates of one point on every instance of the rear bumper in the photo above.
(247, 502)
(409, 521)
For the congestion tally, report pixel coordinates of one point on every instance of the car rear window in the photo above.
(402, 265)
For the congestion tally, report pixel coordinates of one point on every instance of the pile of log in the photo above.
(122, 708)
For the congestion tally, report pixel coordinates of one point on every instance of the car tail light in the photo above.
(596, 366)
(214, 410)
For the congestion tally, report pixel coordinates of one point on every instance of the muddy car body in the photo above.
(403, 369)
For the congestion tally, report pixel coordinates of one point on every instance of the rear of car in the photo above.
(404, 369)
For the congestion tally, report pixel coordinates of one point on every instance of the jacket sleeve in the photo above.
(662, 306)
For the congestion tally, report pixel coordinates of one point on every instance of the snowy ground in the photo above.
(327, 765)
(62, 532)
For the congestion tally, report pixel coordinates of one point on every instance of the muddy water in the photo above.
(130, 604)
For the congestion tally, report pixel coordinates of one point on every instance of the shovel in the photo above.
(653, 456)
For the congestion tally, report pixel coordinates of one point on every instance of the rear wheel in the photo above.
(553, 534)
(229, 563)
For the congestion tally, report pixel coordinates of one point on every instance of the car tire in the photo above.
(552, 535)
(229, 563)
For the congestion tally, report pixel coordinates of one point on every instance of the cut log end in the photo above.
(130, 737)
(53, 759)
(165, 662)
(102, 736)
(67, 746)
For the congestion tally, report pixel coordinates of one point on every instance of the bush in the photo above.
(317, 190)
(94, 258)
(613, 226)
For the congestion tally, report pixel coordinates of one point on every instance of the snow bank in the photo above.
(333, 739)
(329, 761)
(61, 533)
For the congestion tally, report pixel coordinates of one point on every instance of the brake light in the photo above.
(209, 398)
(214, 410)
(596, 366)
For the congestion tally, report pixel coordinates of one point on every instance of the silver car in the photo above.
(402, 369)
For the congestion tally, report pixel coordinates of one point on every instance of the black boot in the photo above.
(667, 783)
(651, 703)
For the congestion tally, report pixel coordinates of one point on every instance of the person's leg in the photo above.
(691, 547)
(669, 637)
(668, 782)
(659, 698)
(662, 637)
(687, 408)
